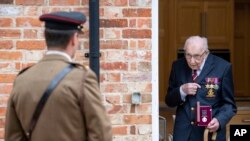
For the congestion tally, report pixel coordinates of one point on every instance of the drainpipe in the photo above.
(94, 49)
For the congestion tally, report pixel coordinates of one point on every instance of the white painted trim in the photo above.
(155, 72)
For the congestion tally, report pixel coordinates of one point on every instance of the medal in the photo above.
(216, 87)
(210, 93)
(216, 82)
(212, 85)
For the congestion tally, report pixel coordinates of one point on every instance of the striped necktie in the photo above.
(194, 75)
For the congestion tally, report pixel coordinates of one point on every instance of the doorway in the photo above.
(226, 25)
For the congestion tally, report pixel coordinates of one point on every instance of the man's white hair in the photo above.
(195, 40)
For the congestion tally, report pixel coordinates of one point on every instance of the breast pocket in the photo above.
(207, 95)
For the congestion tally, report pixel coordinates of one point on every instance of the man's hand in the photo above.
(213, 125)
(190, 88)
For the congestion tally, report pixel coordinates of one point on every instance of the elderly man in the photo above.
(204, 78)
(57, 99)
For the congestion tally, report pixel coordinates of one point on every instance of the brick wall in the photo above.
(125, 43)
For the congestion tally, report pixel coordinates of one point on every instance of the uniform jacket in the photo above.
(222, 103)
(73, 112)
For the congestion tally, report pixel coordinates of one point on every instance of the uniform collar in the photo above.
(55, 52)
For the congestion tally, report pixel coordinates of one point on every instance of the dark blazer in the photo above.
(223, 104)
(73, 112)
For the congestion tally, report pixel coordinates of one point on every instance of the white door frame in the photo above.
(155, 72)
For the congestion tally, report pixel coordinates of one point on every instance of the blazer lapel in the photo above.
(188, 73)
(208, 67)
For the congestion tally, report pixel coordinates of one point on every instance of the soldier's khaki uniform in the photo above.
(73, 112)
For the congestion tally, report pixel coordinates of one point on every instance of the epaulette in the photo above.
(24, 69)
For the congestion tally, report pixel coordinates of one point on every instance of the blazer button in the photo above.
(192, 108)
(192, 123)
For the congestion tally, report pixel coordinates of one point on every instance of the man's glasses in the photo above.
(195, 56)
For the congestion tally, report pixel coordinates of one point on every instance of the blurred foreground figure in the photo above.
(57, 99)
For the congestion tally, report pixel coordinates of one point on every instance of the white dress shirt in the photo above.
(55, 52)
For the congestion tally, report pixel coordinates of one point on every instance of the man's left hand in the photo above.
(213, 125)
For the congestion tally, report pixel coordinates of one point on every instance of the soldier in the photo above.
(73, 109)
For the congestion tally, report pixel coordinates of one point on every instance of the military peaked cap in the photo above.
(64, 20)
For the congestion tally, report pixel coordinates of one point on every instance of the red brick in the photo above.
(126, 98)
(57, 8)
(5, 55)
(31, 45)
(83, 9)
(135, 77)
(7, 78)
(101, 12)
(144, 108)
(148, 88)
(10, 33)
(132, 44)
(144, 66)
(132, 23)
(2, 122)
(113, 44)
(2, 133)
(113, 23)
(2, 111)
(112, 99)
(120, 130)
(114, 66)
(64, 2)
(5, 88)
(85, 2)
(6, 22)
(132, 109)
(112, 88)
(28, 22)
(114, 77)
(102, 78)
(115, 109)
(143, 12)
(133, 66)
(113, 2)
(133, 130)
(137, 119)
(144, 23)
(144, 44)
(30, 33)
(20, 66)
(31, 11)
(6, 2)
(6, 44)
(135, 33)
(4, 65)
(30, 2)
(146, 98)
(130, 55)
(145, 55)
